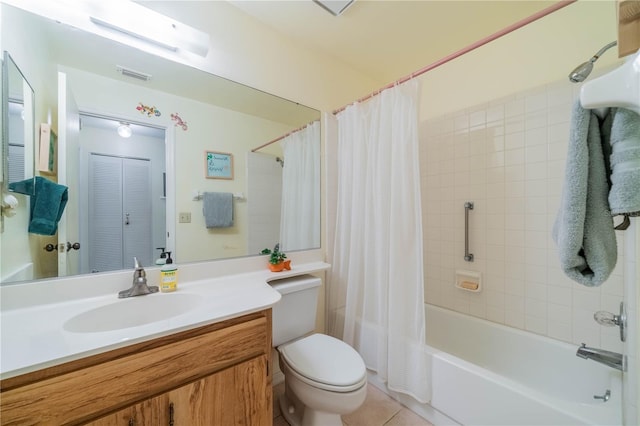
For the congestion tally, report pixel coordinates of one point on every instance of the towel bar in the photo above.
(197, 196)
(467, 256)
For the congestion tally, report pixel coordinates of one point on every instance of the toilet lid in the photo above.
(324, 359)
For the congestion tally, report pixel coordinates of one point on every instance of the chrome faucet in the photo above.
(139, 286)
(611, 359)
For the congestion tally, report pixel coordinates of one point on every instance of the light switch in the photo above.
(184, 217)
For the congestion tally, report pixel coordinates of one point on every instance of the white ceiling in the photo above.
(392, 38)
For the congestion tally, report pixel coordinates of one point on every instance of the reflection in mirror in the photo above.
(17, 135)
(17, 165)
(193, 112)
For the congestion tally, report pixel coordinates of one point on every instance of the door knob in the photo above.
(126, 220)
(75, 246)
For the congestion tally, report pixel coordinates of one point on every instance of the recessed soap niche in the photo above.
(469, 281)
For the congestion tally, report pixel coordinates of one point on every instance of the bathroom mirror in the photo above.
(197, 112)
(17, 119)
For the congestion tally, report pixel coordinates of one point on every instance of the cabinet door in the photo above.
(239, 395)
(154, 411)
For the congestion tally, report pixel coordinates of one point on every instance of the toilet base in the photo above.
(296, 414)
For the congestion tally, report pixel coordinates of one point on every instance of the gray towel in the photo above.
(583, 229)
(218, 209)
(624, 197)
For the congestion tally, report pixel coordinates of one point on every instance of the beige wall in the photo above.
(247, 51)
(542, 52)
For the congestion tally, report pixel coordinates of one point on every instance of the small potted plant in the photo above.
(277, 262)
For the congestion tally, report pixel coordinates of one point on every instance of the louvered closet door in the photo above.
(105, 213)
(120, 224)
(137, 211)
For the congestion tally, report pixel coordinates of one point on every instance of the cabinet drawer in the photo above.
(91, 391)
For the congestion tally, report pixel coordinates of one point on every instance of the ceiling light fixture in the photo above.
(335, 7)
(150, 26)
(124, 130)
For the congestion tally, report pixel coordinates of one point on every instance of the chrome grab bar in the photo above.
(467, 256)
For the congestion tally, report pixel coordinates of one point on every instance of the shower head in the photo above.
(582, 71)
(280, 160)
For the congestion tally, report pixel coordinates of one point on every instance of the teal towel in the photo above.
(624, 196)
(584, 229)
(48, 201)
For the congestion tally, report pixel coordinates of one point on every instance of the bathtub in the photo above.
(484, 373)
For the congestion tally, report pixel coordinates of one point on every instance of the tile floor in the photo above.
(378, 410)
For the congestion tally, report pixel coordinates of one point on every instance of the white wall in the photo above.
(508, 157)
(631, 381)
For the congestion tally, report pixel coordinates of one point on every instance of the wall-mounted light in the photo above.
(150, 26)
(124, 130)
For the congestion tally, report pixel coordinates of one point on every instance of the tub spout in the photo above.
(611, 359)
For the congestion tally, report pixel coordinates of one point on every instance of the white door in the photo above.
(120, 220)
(68, 153)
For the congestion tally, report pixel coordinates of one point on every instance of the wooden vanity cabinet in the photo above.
(213, 375)
(230, 397)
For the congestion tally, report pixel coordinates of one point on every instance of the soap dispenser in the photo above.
(169, 275)
(163, 256)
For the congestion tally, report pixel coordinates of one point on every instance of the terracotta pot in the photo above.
(277, 267)
(287, 265)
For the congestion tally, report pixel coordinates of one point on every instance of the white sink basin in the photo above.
(132, 312)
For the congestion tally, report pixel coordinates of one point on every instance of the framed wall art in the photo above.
(218, 165)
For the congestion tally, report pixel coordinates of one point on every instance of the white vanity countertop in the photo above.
(34, 337)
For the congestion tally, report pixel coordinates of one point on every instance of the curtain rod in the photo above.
(469, 48)
(282, 137)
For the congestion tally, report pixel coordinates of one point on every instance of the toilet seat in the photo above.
(325, 362)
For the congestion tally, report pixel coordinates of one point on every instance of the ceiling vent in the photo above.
(128, 72)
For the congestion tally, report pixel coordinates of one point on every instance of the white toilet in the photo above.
(324, 377)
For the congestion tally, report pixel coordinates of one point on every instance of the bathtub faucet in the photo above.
(611, 359)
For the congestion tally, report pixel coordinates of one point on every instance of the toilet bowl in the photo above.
(324, 377)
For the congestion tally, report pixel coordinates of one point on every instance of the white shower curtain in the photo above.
(378, 242)
(300, 216)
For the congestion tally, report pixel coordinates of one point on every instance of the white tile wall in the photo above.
(508, 157)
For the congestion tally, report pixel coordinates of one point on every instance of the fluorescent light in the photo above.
(335, 7)
(152, 27)
(132, 34)
(124, 130)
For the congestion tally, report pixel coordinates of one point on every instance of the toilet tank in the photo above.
(295, 314)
